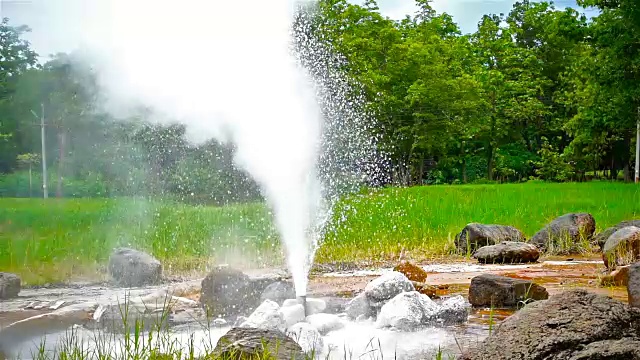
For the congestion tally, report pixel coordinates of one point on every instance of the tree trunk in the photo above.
(62, 140)
(490, 151)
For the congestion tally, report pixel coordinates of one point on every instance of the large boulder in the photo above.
(475, 236)
(9, 285)
(622, 247)
(227, 292)
(250, 343)
(602, 237)
(307, 336)
(454, 310)
(407, 311)
(633, 285)
(386, 287)
(267, 316)
(413, 272)
(278, 291)
(618, 277)
(359, 307)
(133, 268)
(565, 234)
(507, 252)
(573, 325)
(325, 323)
(502, 291)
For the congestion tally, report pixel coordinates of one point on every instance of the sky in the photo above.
(466, 13)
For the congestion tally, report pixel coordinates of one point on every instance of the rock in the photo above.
(408, 311)
(292, 314)
(325, 323)
(267, 316)
(133, 268)
(278, 291)
(412, 272)
(475, 236)
(573, 325)
(425, 289)
(501, 291)
(618, 277)
(602, 237)
(508, 252)
(359, 307)
(239, 321)
(9, 285)
(315, 306)
(622, 247)
(307, 336)
(633, 287)
(387, 286)
(565, 234)
(454, 310)
(249, 343)
(335, 305)
(227, 292)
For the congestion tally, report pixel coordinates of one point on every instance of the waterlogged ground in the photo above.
(353, 341)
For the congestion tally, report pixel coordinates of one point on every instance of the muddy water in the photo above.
(353, 341)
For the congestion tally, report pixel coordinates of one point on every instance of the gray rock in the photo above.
(292, 314)
(267, 316)
(602, 237)
(250, 343)
(501, 291)
(133, 268)
(475, 236)
(565, 234)
(408, 311)
(315, 306)
(9, 285)
(387, 286)
(507, 252)
(127, 317)
(622, 247)
(359, 307)
(452, 311)
(573, 325)
(227, 292)
(633, 285)
(307, 336)
(278, 291)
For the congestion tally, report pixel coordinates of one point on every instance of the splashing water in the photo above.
(226, 69)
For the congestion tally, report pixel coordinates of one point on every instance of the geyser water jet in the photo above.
(226, 70)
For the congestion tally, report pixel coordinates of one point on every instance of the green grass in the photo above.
(51, 240)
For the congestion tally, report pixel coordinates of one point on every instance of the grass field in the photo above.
(51, 240)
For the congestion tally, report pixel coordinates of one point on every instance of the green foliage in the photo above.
(552, 165)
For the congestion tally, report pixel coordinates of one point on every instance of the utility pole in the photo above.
(44, 151)
(637, 177)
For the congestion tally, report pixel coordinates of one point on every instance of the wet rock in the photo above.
(454, 310)
(426, 289)
(618, 277)
(292, 314)
(307, 336)
(278, 291)
(133, 268)
(475, 236)
(315, 306)
(359, 307)
(9, 285)
(507, 252)
(227, 292)
(267, 316)
(633, 286)
(336, 305)
(411, 271)
(250, 343)
(325, 323)
(622, 247)
(501, 291)
(387, 286)
(565, 234)
(128, 317)
(573, 325)
(602, 237)
(407, 311)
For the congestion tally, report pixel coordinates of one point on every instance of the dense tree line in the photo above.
(539, 93)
